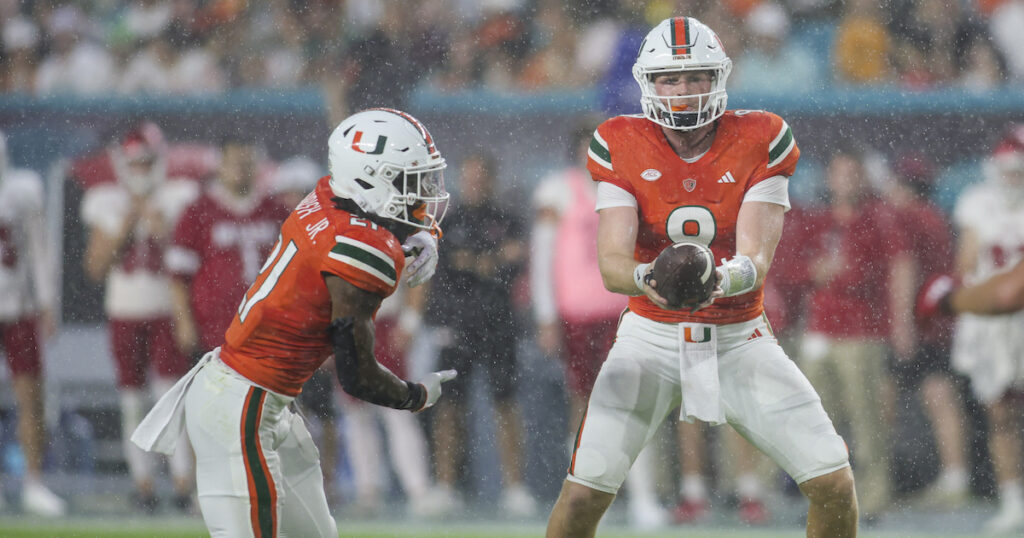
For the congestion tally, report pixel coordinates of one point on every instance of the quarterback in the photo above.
(338, 256)
(689, 170)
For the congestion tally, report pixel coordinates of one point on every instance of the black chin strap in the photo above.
(400, 230)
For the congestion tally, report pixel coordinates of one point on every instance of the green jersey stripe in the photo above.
(778, 137)
(780, 145)
(599, 151)
(364, 260)
(782, 150)
(369, 249)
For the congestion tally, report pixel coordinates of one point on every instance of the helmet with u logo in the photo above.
(385, 161)
(682, 45)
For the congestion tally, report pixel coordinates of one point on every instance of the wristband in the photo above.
(738, 275)
(417, 397)
(638, 275)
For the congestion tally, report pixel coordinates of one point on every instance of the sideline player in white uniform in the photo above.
(130, 221)
(28, 296)
(990, 349)
(1000, 294)
(339, 255)
(690, 170)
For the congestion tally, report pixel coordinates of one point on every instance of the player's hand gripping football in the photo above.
(422, 246)
(715, 293)
(682, 277)
(432, 383)
(646, 282)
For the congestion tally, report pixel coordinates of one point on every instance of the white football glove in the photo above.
(432, 382)
(423, 248)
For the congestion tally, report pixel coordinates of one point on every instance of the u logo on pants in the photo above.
(704, 337)
(765, 397)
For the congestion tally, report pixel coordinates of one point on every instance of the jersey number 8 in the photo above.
(691, 223)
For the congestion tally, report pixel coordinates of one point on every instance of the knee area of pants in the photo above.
(833, 487)
(605, 466)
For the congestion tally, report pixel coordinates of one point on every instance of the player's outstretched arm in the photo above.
(1000, 294)
(352, 336)
(616, 240)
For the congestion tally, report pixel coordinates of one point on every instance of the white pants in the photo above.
(764, 395)
(257, 469)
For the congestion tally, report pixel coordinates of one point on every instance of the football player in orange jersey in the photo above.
(689, 170)
(339, 254)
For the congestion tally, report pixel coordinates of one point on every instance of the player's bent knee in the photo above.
(835, 488)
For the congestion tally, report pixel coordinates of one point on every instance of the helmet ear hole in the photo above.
(364, 184)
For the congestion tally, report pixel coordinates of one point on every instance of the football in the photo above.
(684, 274)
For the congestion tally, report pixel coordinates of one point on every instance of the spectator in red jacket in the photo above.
(862, 293)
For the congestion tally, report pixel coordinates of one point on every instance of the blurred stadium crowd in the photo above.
(199, 47)
(369, 53)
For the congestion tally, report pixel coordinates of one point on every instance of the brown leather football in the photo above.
(684, 274)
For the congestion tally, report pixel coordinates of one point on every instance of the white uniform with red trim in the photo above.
(990, 349)
(27, 282)
(722, 364)
(258, 471)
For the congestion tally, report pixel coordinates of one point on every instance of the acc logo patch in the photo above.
(650, 174)
(689, 184)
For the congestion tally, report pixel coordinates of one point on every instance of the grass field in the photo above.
(177, 528)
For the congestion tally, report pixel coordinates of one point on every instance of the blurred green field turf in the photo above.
(11, 527)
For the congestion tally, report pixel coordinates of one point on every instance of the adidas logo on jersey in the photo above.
(727, 178)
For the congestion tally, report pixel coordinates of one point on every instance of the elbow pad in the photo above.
(738, 275)
(341, 333)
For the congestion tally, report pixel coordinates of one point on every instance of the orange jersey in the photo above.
(278, 337)
(681, 201)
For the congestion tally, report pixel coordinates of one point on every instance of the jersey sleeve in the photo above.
(782, 151)
(104, 208)
(971, 207)
(27, 188)
(176, 196)
(369, 260)
(599, 160)
(183, 255)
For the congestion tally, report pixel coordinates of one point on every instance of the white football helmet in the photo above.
(385, 161)
(682, 44)
(140, 159)
(1005, 166)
